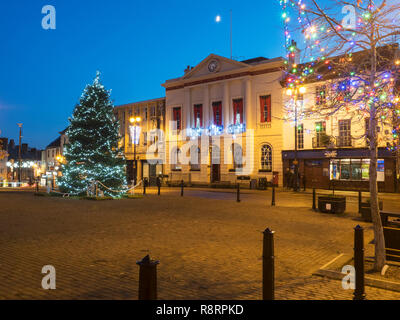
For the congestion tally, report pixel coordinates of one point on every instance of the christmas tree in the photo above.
(93, 154)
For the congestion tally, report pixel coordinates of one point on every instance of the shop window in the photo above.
(354, 169)
(266, 158)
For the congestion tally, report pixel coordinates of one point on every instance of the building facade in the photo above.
(224, 122)
(333, 152)
(141, 138)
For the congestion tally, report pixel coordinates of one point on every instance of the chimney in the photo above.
(188, 68)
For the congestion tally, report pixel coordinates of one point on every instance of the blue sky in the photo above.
(137, 45)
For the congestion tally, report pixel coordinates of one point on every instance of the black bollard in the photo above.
(359, 292)
(268, 265)
(147, 279)
(238, 192)
(273, 196)
(314, 198)
(182, 184)
(159, 185)
(359, 201)
(144, 187)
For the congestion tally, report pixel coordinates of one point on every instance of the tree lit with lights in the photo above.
(93, 153)
(352, 49)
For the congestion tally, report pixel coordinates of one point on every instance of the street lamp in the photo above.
(294, 92)
(135, 121)
(19, 152)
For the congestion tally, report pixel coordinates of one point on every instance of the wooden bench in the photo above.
(391, 230)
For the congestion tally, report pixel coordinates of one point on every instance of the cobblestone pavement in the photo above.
(209, 246)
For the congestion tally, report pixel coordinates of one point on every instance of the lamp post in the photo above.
(294, 94)
(135, 121)
(19, 152)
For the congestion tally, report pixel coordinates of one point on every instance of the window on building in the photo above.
(198, 115)
(176, 159)
(265, 108)
(320, 95)
(344, 133)
(300, 136)
(354, 169)
(343, 91)
(217, 111)
(153, 111)
(320, 129)
(145, 138)
(195, 158)
(266, 158)
(145, 113)
(177, 117)
(237, 155)
(238, 111)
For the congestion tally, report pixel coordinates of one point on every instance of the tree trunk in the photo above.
(380, 255)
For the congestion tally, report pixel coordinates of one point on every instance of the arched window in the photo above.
(266, 158)
(176, 159)
(195, 158)
(237, 155)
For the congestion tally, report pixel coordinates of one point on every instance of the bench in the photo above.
(391, 231)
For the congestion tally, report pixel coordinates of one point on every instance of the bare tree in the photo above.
(351, 46)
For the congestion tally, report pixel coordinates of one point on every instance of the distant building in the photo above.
(53, 157)
(30, 162)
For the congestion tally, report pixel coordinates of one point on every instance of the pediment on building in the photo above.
(213, 65)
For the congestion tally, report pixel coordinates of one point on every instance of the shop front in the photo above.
(342, 169)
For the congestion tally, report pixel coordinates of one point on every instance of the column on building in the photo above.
(248, 102)
(186, 110)
(226, 106)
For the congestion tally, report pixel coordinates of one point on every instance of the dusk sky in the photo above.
(137, 45)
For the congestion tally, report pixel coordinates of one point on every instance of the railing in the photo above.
(344, 141)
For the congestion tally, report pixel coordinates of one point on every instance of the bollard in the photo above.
(273, 196)
(144, 187)
(159, 185)
(147, 279)
(268, 265)
(359, 292)
(359, 201)
(238, 192)
(314, 198)
(182, 183)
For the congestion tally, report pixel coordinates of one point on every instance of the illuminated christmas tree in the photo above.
(93, 153)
